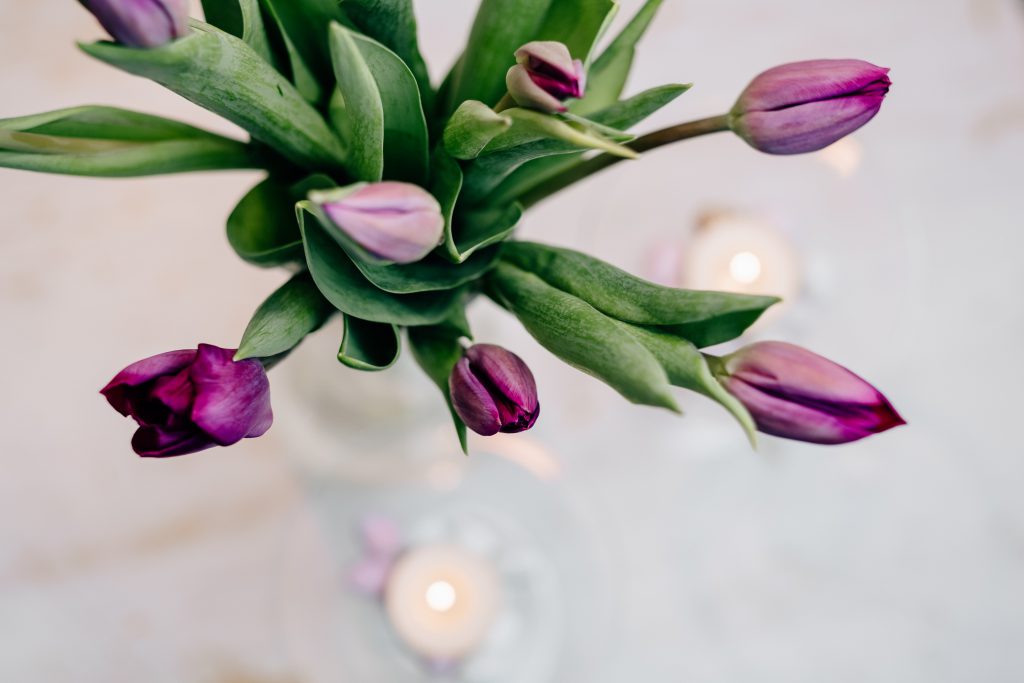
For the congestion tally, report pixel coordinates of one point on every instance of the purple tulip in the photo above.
(805, 106)
(800, 395)
(493, 391)
(395, 221)
(188, 401)
(544, 76)
(141, 23)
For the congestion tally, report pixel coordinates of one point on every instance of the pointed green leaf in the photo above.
(378, 109)
(688, 368)
(471, 128)
(437, 350)
(262, 228)
(242, 19)
(501, 27)
(392, 23)
(621, 116)
(348, 289)
(578, 24)
(532, 135)
(223, 74)
(608, 73)
(296, 309)
(297, 47)
(105, 141)
(582, 336)
(705, 318)
(368, 345)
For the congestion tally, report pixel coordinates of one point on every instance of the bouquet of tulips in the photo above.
(393, 204)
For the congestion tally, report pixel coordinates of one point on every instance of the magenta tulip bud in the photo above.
(796, 394)
(141, 23)
(805, 106)
(393, 221)
(188, 401)
(545, 75)
(493, 391)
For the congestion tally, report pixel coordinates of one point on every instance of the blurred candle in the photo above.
(442, 600)
(736, 253)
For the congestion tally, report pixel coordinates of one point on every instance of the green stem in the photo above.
(644, 143)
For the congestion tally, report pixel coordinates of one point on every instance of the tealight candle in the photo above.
(734, 253)
(442, 600)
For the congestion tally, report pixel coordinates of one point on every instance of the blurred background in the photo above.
(628, 544)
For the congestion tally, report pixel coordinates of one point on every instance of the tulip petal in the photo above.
(815, 80)
(808, 127)
(141, 23)
(508, 374)
(152, 442)
(118, 390)
(527, 93)
(232, 398)
(794, 393)
(471, 400)
(395, 221)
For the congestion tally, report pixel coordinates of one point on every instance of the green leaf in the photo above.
(242, 19)
(578, 24)
(437, 350)
(705, 318)
(262, 228)
(392, 23)
(501, 27)
(582, 336)
(105, 141)
(351, 293)
(298, 40)
(607, 76)
(478, 229)
(621, 115)
(368, 345)
(471, 128)
(430, 274)
(688, 368)
(223, 74)
(296, 309)
(379, 113)
(532, 135)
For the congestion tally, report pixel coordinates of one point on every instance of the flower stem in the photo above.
(644, 143)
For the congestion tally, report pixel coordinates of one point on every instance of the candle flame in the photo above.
(440, 596)
(745, 267)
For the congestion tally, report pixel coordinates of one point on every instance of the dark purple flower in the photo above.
(805, 106)
(493, 391)
(800, 395)
(395, 221)
(545, 75)
(141, 23)
(188, 401)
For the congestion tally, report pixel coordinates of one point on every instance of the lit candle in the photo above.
(734, 253)
(442, 600)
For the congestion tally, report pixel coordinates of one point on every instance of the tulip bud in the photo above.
(141, 23)
(796, 394)
(493, 391)
(188, 401)
(394, 221)
(805, 106)
(544, 76)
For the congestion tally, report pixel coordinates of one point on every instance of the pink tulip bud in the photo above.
(800, 395)
(493, 391)
(141, 23)
(394, 221)
(805, 106)
(545, 75)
